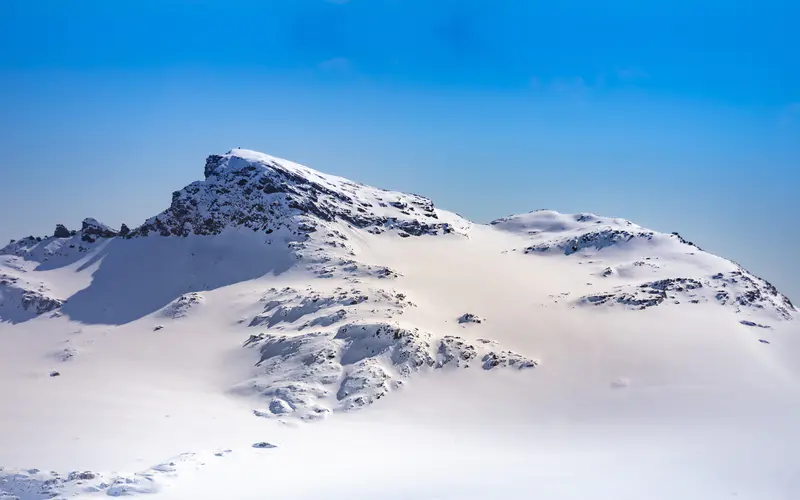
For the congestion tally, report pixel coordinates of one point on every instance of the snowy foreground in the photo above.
(282, 333)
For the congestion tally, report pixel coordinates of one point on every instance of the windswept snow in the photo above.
(286, 333)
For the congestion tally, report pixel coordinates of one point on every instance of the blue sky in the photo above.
(681, 116)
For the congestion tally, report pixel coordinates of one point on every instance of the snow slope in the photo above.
(284, 333)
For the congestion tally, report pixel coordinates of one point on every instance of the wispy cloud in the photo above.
(339, 64)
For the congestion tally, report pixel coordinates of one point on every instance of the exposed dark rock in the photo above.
(469, 318)
(507, 358)
(263, 444)
(81, 476)
(39, 303)
(454, 351)
(647, 294)
(61, 231)
(757, 292)
(254, 339)
(212, 163)
(124, 230)
(593, 239)
(753, 324)
(266, 196)
(685, 242)
(91, 229)
(737, 288)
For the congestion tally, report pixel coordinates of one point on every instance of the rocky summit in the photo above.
(262, 193)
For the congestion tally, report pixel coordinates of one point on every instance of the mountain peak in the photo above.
(265, 193)
(238, 159)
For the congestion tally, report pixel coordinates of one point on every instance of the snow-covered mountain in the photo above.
(269, 296)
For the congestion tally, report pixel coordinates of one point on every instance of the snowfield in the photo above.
(282, 333)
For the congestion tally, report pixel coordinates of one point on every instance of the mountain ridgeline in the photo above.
(293, 205)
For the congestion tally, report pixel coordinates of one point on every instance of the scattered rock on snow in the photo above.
(281, 407)
(285, 307)
(753, 324)
(81, 476)
(22, 299)
(180, 307)
(358, 365)
(738, 289)
(595, 239)
(66, 354)
(34, 484)
(645, 295)
(507, 358)
(469, 318)
(455, 351)
(254, 339)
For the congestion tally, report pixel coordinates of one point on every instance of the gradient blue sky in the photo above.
(681, 116)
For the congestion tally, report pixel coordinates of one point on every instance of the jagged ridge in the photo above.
(263, 193)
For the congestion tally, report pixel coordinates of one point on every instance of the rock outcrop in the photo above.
(61, 232)
(738, 289)
(92, 229)
(262, 193)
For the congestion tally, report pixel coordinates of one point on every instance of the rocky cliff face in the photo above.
(92, 229)
(262, 193)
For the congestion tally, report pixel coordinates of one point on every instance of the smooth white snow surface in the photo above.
(281, 333)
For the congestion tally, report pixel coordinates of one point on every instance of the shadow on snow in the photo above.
(139, 276)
